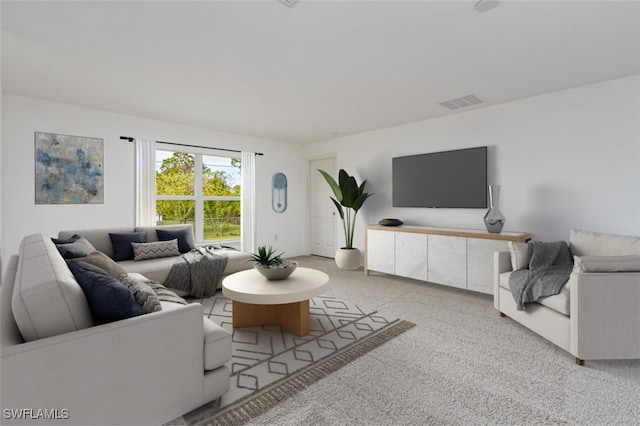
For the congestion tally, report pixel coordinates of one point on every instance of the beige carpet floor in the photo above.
(461, 364)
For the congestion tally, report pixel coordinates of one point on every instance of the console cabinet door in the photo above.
(447, 260)
(411, 255)
(480, 263)
(381, 251)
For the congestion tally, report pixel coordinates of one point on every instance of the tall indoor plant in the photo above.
(349, 198)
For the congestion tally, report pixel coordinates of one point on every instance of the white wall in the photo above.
(569, 159)
(22, 116)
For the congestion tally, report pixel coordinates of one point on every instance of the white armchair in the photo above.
(597, 313)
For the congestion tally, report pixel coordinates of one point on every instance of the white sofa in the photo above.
(597, 313)
(154, 269)
(148, 369)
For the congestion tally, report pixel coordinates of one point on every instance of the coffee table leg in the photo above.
(293, 317)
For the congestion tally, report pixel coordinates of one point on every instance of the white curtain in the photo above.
(145, 182)
(248, 214)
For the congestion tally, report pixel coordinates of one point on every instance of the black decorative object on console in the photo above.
(390, 222)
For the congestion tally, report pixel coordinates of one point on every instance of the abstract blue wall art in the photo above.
(69, 169)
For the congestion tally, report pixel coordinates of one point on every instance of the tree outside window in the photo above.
(199, 189)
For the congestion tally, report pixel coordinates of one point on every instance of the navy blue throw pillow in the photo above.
(181, 234)
(109, 300)
(122, 248)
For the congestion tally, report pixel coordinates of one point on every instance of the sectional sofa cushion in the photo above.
(122, 249)
(46, 299)
(74, 247)
(587, 243)
(155, 250)
(217, 345)
(102, 261)
(109, 300)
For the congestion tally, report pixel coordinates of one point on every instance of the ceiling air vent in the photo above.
(462, 102)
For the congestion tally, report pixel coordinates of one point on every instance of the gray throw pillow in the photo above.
(157, 249)
(74, 247)
(144, 295)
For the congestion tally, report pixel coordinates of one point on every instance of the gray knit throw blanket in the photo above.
(198, 272)
(550, 266)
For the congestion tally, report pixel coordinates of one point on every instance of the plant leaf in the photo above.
(332, 183)
(349, 191)
(338, 207)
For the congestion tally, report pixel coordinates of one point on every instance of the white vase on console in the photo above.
(494, 219)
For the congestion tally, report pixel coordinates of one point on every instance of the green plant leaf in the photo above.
(266, 256)
(349, 192)
(332, 183)
(359, 201)
(338, 207)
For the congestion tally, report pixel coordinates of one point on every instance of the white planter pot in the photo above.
(348, 259)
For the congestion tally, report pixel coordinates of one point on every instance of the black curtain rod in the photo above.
(130, 139)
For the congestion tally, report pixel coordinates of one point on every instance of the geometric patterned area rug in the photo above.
(269, 364)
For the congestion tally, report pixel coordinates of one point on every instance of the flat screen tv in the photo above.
(448, 179)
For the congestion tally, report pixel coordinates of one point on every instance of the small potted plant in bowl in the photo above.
(271, 265)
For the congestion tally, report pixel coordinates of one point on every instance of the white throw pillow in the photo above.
(607, 263)
(518, 255)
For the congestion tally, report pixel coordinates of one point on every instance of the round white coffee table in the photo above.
(258, 301)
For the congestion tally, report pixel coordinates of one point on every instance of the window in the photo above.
(203, 190)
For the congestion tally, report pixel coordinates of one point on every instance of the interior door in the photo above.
(322, 210)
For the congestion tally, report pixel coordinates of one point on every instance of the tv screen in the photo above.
(449, 179)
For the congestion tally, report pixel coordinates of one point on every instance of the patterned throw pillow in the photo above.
(144, 295)
(74, 247)
(143, 251)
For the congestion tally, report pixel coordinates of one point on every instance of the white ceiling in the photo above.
(300, 74)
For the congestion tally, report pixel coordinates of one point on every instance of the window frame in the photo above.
(197, 197)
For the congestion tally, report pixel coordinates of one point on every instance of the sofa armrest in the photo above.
(112, 373)
(501, 264)
(605, 315)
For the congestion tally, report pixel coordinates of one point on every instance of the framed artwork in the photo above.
(68, 169)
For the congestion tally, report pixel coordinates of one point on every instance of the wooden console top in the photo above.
(455, 232)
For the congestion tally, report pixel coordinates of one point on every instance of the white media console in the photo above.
(460, 258)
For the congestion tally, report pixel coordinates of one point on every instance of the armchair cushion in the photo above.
(518, 253)
(629, 263)
(587, 243)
